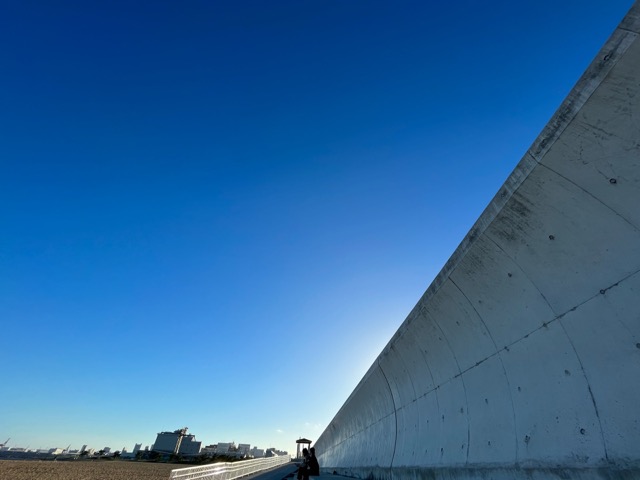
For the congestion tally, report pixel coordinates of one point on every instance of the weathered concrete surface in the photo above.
(522, 359)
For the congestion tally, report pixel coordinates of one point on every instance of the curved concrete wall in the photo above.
(522, 359)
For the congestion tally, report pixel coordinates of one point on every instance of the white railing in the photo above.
(228, 470)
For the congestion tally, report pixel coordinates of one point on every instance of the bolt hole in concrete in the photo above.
(551, 237)
(567, 372)
(582, 431)
(637, 345)
(613, 181)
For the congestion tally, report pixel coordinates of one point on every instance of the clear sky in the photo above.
(215, 214)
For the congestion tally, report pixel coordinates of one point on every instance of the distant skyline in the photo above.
(8, 446)
(216, 214)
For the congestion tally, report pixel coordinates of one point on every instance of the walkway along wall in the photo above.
(522, 359)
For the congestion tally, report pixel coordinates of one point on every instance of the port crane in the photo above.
(2, 445)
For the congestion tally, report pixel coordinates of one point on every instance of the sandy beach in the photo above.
(83, 470)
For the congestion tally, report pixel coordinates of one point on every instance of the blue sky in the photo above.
(215, 214)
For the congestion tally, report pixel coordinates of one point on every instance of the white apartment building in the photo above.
(257, 452)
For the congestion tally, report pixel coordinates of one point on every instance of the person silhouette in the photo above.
(303, 470)
(314, 466)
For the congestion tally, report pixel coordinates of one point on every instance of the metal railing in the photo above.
(228, 470)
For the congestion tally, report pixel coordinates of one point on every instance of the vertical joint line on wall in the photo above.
(395, 415)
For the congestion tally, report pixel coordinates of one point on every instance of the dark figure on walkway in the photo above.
(314, 466)
(303, 471)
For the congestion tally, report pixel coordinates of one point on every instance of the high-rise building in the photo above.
(169, 442)
(189, 446)
(177, 442)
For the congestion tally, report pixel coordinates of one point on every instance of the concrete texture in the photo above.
(522, 359)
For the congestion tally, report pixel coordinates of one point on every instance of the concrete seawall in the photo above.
(522, 359)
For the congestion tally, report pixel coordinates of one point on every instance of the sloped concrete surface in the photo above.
(522, 359)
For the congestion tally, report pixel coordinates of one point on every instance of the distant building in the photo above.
(137, 448)
(189, 446)
(226, 448)
(177, 442)
(169, 442)
(257, 452)
(210, 450)
(244, 449)
(274, 452)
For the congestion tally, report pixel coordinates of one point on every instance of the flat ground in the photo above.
(84, 470)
